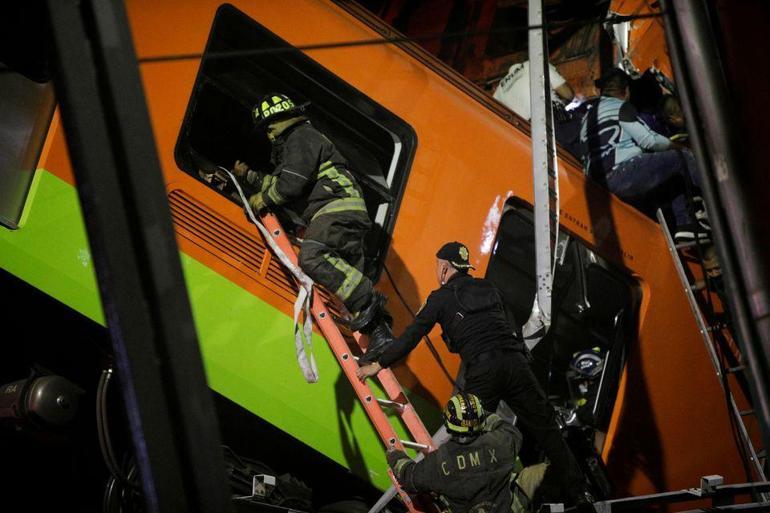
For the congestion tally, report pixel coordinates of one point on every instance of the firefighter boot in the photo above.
(380, 338)
(370, 314)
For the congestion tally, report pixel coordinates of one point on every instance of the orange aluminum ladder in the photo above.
(373, 406)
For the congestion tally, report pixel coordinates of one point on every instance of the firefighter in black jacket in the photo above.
(471, 472)
(312, 183)
(472, 317)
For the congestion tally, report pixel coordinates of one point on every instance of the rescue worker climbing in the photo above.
(472, 316)
(473, 472)
(312, 183)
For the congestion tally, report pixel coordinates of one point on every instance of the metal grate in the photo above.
(233, 245)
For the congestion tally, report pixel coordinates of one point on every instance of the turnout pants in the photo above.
(332, 254)
(507, 376)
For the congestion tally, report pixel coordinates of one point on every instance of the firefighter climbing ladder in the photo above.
(708, 338)
(279, 243)
(373, 406)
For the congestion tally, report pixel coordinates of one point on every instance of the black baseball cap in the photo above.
(456, 253)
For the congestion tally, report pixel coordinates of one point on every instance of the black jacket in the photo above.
(309, 175)
(470, 477)
(472, 317)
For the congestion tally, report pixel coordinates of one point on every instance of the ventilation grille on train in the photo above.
(229, 242)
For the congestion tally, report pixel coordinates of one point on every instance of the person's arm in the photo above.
(424, 321)
(559, 84)
(641, 134)
(413, 476)
(296, 173)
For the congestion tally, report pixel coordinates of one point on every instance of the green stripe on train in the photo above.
(247, 344)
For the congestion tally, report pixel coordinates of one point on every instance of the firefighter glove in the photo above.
(240, 169)
(257, 202)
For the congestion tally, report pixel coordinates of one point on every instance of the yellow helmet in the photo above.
(275, 106)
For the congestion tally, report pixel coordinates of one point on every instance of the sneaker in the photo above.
(701, 216)
(690, 233)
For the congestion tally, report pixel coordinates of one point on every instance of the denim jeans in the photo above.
(637, 178)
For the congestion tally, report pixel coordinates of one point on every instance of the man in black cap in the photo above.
(472, 317)
(313, 185)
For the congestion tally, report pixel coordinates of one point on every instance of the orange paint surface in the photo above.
(669, 426)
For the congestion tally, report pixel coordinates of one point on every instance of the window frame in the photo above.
(328, 89)
(624, 323)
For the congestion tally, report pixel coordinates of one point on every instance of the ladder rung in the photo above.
(739, 368)
(698, 285)
(685, 245)
(746, 413)
(414, 445)
(391, 404)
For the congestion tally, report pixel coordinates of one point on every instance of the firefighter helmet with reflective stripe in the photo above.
(464, 415)
(275, 106)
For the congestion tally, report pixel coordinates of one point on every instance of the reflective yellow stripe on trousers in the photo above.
(352, 276)
(342, 205)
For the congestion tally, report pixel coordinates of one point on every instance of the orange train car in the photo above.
(439, 160)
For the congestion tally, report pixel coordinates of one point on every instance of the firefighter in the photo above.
(473, 471)
(311, 183)
(472, 317)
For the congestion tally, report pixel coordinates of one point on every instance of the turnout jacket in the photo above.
(469, 475)
(472, 317)
(310, 177)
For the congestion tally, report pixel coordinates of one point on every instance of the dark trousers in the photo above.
(634, 179)
(332, 254)
(508, 377)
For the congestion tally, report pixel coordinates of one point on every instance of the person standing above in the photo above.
(472, 317)
(312, 182)
(472, 472)
(632, 161)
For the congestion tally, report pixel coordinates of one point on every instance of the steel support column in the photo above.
(544, 172)
(123, 198)
(705, 96)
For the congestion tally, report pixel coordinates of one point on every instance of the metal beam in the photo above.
(715, 134)
(170, 409)
(544, 173)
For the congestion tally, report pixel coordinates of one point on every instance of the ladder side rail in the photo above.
(704, 331)
(345, 358)
(408, 413)
(338, 344)
(709, 343)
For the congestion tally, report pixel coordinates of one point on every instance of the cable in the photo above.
(101, 427)
(428, 341)
(108, 441)
(232, 54)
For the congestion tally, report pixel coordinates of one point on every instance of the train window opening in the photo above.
(218, 128)
(594, 311)
(26, 109)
